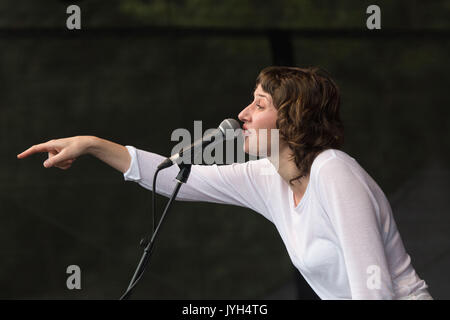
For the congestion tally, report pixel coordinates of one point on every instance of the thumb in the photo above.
(50, 162)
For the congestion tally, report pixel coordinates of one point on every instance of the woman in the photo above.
(334, 219)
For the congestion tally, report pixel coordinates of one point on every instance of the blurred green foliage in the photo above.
(321, 14)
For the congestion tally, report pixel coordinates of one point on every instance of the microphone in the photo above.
(219, 134)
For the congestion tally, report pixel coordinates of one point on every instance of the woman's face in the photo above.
(260, 114)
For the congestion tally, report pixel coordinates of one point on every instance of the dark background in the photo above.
(137, 70)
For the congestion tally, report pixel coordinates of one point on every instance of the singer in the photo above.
(335, 221)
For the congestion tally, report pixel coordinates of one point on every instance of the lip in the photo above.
(245, 131)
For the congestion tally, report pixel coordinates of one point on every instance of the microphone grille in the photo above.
(229, 124)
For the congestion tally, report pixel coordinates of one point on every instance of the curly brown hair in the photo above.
(308, 119)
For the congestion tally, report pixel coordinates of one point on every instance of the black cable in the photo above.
(181, 178)
(145, 241)
(154, 200)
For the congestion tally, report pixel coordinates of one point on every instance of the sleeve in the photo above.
(240, 184)
(354, 214)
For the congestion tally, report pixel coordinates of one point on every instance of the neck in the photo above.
(287, 169)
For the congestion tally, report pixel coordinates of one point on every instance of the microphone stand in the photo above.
(183, 175)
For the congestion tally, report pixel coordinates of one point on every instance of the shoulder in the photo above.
(334, 166)
(339, 176)
(332, 159)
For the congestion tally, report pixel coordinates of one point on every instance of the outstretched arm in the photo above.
(241, 184)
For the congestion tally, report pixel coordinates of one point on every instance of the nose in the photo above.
(244, 115)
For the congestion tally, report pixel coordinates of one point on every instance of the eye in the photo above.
(259, 106)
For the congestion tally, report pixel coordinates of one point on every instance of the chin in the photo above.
(258, 152)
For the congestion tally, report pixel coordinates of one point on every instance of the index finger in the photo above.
(42, 147)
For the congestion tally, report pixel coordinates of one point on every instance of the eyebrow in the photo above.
(262, 95)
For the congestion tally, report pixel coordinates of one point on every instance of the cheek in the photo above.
(268, 120)
(273, 119)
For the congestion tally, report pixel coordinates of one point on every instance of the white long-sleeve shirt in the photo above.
(342, 236)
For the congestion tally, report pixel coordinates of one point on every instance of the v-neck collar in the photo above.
(303, 199)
